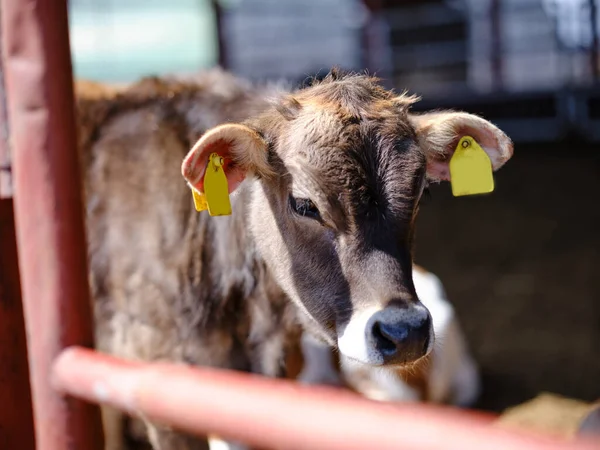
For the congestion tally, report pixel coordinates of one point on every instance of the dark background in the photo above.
(520, 265)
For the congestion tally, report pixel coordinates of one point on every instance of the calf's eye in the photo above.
(305, 207)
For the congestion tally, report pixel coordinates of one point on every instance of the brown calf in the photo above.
(327, 182)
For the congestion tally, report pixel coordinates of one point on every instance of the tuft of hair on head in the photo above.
(405, 99)
(336, 74)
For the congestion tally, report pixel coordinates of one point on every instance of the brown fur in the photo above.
(172, 284)
(163, 287)
(417, 377)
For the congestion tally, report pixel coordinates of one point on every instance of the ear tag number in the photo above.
(470, 169)
(216, 190)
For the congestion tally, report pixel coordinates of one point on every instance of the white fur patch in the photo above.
(352, 341)
(453, 375)
(376, 383)
(215, 443)
(431, 293)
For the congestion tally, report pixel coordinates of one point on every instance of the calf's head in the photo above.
(336, 172)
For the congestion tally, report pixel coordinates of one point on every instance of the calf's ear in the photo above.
(244, 153)
(438, 134)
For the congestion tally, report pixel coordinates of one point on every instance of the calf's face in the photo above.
(339, 169)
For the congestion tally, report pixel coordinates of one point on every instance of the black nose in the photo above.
(401, 337)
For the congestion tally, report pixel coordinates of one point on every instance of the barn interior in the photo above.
(519, 264)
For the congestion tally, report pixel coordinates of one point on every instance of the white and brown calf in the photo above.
(326, 183)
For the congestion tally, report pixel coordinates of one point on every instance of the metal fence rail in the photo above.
(48, 211)
(276, 414)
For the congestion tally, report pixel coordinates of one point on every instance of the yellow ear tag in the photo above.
(199, 201)
(216, 190)
(470, 169)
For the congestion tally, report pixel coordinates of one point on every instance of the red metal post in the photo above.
(48, 210)
(16, 421)
(274, 414)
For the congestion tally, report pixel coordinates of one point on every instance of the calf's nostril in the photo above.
(383, 343)
(401, 339)
(388, 337)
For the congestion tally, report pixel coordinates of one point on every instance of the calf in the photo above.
(327, 182)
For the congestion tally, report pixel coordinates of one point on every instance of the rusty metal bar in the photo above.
(272, 414)
(48, 211)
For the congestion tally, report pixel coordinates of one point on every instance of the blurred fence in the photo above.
(530, 65)
(271, 39)
(122, 40)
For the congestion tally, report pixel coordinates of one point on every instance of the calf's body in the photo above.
(169, 283)
(325, 183)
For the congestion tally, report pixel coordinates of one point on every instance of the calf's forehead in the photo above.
(317, 131)
(325, 133)
(333, 143)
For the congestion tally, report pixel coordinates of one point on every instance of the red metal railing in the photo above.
(275, 414)
(16, 422)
